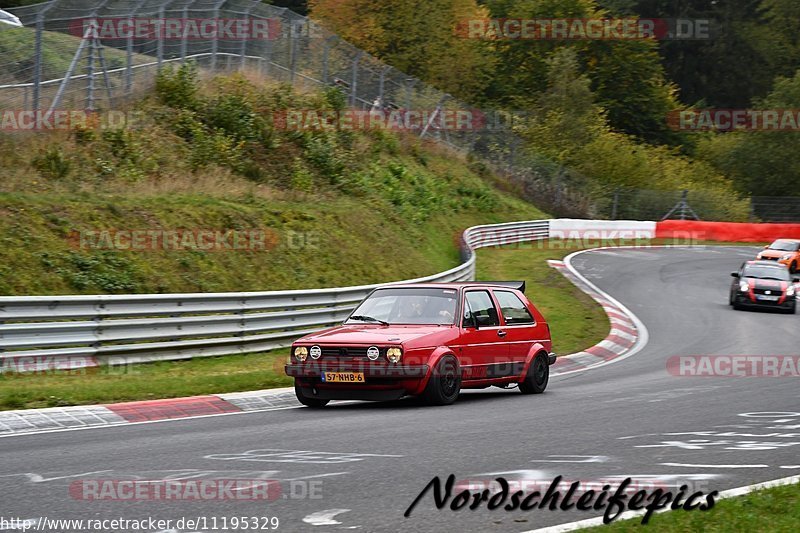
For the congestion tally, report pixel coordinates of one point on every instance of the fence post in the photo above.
(382, 80)
(244, 41)
(184, 39)
(37, 58)
(37, 54)
(292, 52)
(160, 39)
(615, 205)
(215, 41)
(684, 197)
(409, 83)
(435, 114)
(90, 75)
(129, 51)
(71, 69)
(325, 51)
(354, 80)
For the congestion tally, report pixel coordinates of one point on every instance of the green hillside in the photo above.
(340, 208)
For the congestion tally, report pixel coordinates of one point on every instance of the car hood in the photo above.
(774, 253)
(757, 283)
(376, 334)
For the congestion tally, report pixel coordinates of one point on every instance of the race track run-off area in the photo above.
(358, 466)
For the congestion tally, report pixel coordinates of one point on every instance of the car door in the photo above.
(521, 328)
(482, 345)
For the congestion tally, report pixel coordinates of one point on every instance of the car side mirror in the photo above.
(795, 280)
(734, 274)
(470, 321)
(766, 247)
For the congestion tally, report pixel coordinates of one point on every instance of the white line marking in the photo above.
(324, 518)
(317, 475)
(575, 459)
(714, 466)
(644, 336)
(598, 521)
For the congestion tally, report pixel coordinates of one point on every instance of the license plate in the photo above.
(343, 377)
(768, 298)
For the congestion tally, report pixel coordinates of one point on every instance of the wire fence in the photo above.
(79, 54)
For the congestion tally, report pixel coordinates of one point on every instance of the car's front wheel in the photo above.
(538, 376)
(308, 401)
(444, 384)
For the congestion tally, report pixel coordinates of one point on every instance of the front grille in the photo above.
(772, 292)
(770, 259)
(347, 352)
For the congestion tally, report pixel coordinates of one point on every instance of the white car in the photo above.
(8, 18)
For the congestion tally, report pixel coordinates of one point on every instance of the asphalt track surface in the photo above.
(368, 462)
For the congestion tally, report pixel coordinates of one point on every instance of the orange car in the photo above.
(784, 251)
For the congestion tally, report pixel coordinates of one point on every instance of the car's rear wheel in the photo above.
(444, 384)
(538, 376)
(308, 401)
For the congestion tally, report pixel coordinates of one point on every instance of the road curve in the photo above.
(367, 462)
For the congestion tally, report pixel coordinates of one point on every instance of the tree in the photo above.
(761, 163)
(626, 75)
(416, 37)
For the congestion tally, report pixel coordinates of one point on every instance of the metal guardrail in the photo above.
(122, 329)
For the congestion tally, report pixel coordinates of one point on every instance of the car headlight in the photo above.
(790, 291)
(759, 256)
(394, 355)
(786, 257)
(301, 353)
(744, 286)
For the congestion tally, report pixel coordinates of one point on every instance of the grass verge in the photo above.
(774, 509)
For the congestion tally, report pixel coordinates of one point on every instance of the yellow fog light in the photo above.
(301, 353)
(394, 355)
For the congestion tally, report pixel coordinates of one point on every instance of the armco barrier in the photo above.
(42, 332)
(576, 228)
(725, 231)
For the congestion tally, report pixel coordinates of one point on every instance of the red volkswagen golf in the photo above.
(429, 340)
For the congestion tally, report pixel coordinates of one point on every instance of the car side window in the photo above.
(514, 311)
(481, 307)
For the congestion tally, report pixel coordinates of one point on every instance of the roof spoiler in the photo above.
(517, 285)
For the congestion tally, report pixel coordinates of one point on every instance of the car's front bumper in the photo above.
(745, 301)
(370, 371)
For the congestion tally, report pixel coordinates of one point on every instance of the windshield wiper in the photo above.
(364, 318)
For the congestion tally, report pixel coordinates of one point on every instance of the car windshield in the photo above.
(766, 272)
(785, 246)
(407, 306)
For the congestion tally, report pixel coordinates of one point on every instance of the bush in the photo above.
(53, 163)
(178, 88)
